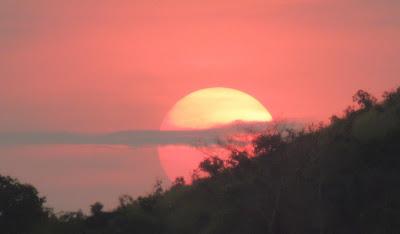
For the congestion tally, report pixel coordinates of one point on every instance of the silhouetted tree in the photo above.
(125, 201)
(179, 181)
(96, 208)
(238, 158)
(364, 99)
(334, 119)
(391, 98)
(212, 165)
(21, 208)
(149, 202)
(158, 189)
(268, 143)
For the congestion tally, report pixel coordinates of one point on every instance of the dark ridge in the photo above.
(342, 178)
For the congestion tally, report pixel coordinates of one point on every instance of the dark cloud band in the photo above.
(134, 138)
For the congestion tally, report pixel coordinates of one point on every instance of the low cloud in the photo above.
(138, 138)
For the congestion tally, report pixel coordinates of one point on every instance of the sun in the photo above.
(205, 109)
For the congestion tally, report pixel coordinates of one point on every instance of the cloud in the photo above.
(137, 138)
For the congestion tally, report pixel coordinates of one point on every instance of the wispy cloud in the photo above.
(137, 138)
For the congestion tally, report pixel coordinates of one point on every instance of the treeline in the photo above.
(343, 178)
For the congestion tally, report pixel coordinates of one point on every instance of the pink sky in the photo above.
(103, 66)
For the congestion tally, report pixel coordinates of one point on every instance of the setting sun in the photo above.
(204, 109)
(215, 116)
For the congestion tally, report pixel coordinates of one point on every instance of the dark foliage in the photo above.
(338, 179)
(20, 207)
(212, 165)
(364, 99)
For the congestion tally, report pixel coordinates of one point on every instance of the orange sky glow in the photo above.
(104, 66)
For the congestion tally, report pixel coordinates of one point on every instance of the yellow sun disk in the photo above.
(204, 109)
(214, 106)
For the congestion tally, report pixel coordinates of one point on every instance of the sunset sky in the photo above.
(92, 66)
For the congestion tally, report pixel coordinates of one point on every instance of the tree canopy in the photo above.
(21, 208)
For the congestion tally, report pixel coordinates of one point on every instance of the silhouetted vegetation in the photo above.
(340, 178)
(21, 209)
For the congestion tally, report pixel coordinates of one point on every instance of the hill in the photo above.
(340, 178)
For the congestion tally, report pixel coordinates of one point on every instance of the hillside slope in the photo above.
(341, 178)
